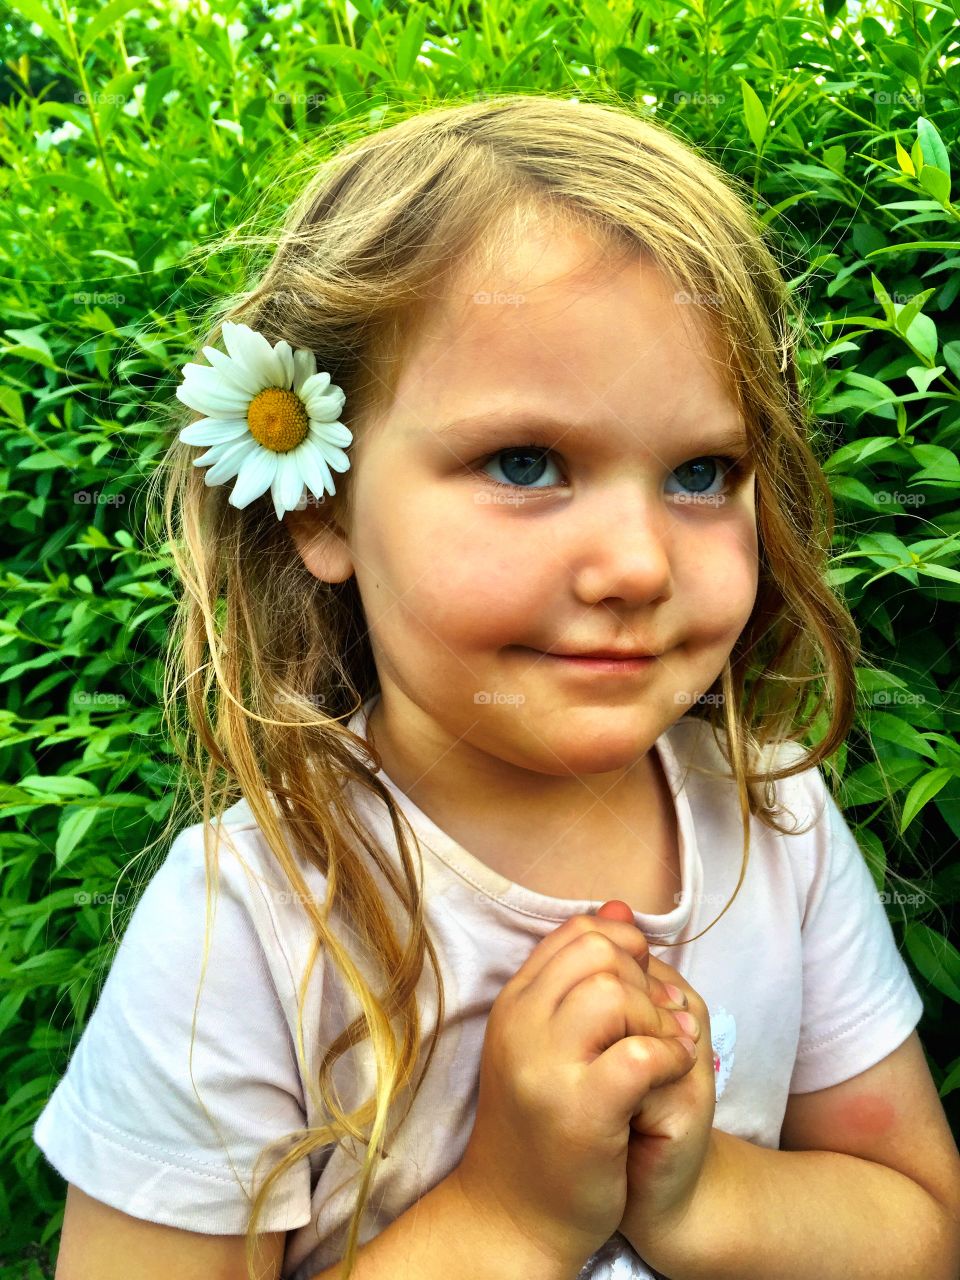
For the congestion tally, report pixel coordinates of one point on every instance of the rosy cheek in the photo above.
(868, 1114)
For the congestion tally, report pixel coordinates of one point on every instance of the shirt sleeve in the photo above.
(859, 1000)
(125, 1123)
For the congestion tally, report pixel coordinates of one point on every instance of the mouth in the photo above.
(612, 654)
(600, 662)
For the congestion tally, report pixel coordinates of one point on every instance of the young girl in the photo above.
(532, 943)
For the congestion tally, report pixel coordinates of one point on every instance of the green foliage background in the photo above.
(131, 134)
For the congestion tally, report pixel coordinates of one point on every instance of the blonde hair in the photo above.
(258, 644)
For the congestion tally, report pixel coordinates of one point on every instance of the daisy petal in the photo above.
(325, 405)
(229, 460)
(210, 379)
(314, 470)
(233, 372)
(254, 352)
(331, 432)
(287, 484)
(216, 401)
(284, 353)
(304, 366)
(335, 457)
(256, 477)
(213, 431)
(317, 382)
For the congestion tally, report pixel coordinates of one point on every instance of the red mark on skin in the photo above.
(868, 1114)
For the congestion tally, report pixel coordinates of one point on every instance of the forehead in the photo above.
(560, 319)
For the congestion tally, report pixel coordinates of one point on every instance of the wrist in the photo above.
(685, 1242)
(524, 1250)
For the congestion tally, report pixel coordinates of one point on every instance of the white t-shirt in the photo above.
(802, 978)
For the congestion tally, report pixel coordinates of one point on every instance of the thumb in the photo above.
(615, 909)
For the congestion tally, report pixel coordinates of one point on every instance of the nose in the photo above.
(619, 547)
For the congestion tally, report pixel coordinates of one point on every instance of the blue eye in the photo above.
(524, 465)
(704, 472)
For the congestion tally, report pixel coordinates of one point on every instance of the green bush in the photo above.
(134, 134)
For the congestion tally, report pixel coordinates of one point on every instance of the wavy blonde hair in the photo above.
(266, 665)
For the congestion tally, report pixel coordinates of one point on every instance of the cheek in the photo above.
(719, 570)
(447, 580)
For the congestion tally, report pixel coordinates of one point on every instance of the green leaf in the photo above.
(754, 115)
(950, 351)
(952, 1078)
(859, 451)
(905, 313)
(935, 957)
(774, 212)
(922, 335)
(931, 144)
(409, 44)
(33, 344)
(74, 825)
(938, 571)
(52, 27)
(903, 159)
(922, 377)
(42, 462)
(870, 679)
(870, 783)
(922, 792)
(59, 785)
(853, 490)
(836, 576)
(882, 724)
(913, 246)
(107, 17)
(86, 192)
(933, 179)
(158, 86)
(11, 403)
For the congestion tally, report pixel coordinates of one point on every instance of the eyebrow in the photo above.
(474, 429)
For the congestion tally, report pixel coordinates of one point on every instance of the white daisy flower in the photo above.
(272, 420)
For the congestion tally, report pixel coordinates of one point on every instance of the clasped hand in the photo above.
(670, 1133)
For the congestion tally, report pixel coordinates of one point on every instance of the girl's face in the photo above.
(602, 536)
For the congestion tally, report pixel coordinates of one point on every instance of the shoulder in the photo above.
(700, 760)
(251, 899)
(238, 846)
(808, 822)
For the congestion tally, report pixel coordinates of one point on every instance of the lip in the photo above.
(598, 664)
(603, 653)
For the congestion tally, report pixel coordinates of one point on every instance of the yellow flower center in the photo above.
(278, 419)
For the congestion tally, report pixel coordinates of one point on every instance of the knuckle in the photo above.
(606, 983)
(580, 925)
(600, 945)
(640, 1050)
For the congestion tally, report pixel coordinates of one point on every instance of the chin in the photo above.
(578, 757)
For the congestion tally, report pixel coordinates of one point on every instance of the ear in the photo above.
(320, 541)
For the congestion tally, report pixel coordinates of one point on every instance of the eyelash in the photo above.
(734, 469)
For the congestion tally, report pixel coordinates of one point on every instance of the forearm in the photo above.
(442, 1235)
(763, 1214)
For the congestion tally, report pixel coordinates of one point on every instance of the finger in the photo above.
(626, 1072)
(668, 976)
(602, 1010)
(589, 953)
(594, 952)
(626, 935)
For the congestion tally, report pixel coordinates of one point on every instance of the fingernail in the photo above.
(688, 1045)
(676, 995)
(687, 1022)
